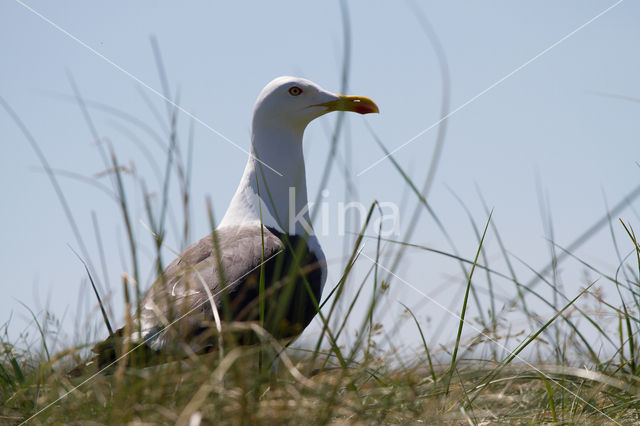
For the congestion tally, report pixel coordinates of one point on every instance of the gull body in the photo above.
(265, 239)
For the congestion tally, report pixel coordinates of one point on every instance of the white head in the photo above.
(294, 102)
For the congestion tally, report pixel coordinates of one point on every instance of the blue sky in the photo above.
(545, 123)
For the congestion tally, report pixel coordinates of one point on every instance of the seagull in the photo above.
(263, 263)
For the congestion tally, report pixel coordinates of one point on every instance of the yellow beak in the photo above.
(358, 104)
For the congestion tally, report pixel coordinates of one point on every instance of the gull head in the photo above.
(294, 102)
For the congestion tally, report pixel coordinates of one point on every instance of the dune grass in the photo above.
(361, 384)
(483, 376)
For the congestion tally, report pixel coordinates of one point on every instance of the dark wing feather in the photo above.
(180, 292)
(293, 283)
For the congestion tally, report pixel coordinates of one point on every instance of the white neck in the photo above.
(279, 199)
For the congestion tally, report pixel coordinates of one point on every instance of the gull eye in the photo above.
(295, 91)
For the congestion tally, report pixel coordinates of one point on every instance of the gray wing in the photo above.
(180, 298)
